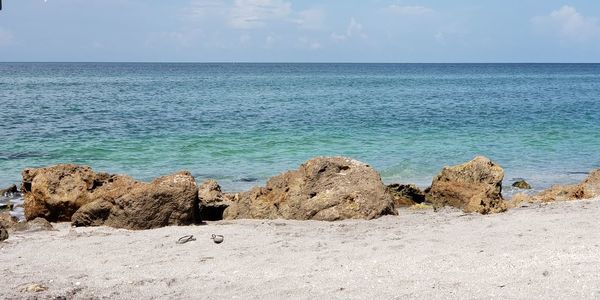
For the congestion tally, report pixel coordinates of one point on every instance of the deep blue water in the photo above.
(242, 123)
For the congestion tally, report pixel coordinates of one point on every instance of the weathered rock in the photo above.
(3, 234)
(588, 188)
(213, 201)
(522, 184)
(7, 220)
(323, 188)
(37, 224)
(475, 186)
(125, 203)
(55, 193)
(405, 194)
(9, 191)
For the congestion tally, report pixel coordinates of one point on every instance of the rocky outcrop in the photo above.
(522, 184)
(405, 194)
(55, 193)
(126, 203)
(475, 186)
(213, 201)
(76, 193)
(323, 188)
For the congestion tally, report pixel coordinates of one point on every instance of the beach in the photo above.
(539, 251)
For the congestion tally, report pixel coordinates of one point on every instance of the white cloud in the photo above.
(6, 37)
(310, 19)
(568, 24)
(354, 29)
(410, 10)
(248, 14)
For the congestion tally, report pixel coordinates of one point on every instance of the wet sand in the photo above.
(536, 252)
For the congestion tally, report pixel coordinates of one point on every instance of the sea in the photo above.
(241, 123)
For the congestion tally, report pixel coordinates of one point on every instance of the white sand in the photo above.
(548, 251)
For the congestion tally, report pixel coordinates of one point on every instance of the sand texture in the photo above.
(544, 251)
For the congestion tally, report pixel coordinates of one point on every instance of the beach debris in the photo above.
(405, 194)
(546, 273)
(475, 186)
(323, 188)
(213, 201)
(217, 238)
(3, 234)
(186, 238)
(33, 288)
(522, 184)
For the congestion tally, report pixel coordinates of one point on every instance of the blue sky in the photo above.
(300, 31)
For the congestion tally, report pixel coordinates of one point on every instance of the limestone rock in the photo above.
(405, 194)
(522, 184)
(126, 203)
(323, 188)
(213, 201)
(475, 186)
(56, 192)
(7, 221)
(588, 188)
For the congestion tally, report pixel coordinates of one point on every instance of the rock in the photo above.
(588, 188)
(405, 194)
(7, 192)
(56, 192)
(37, 224)
(213, 201)
(323, 188)
(522, 184)
(7, 220)
(475, 186)
(3, 234)
(126, 203)
(519, 200)
(6, 206)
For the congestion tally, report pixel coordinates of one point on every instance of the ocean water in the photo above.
(243, 123)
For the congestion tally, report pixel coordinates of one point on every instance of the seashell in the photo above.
(217, 238)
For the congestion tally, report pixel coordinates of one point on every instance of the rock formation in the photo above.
(55, 193)
(588, 188)
(126, 203)
(475, 186)
(405, 194)
(213, 201)
(76, 193)
(323, 188)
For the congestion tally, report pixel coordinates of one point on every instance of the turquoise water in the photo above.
(242, 123)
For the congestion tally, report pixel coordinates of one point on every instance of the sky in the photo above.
(300, 31)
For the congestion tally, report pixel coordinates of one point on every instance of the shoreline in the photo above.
(527, 252)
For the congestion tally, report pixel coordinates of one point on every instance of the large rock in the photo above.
(213, 201)
(55, 193)
(126, 203)
(475, 186)
(323, 188)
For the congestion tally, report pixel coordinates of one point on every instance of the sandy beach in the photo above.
(541, 251)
